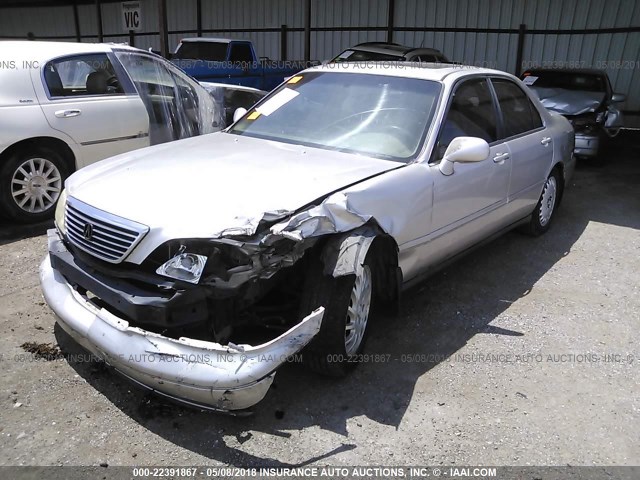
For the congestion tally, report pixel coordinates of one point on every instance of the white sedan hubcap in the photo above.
(36, 185)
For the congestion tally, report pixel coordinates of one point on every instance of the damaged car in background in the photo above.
(585, 98)
(197, 268)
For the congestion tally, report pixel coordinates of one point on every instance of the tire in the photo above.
(548, 203)
(334, 350)
(31, 181)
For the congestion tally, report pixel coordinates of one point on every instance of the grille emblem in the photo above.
(87, 233)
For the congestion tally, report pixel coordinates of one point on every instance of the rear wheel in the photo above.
(347, 301)
(547, 204)
(31, 182)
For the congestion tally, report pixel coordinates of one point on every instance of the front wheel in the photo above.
(347, 301)
(547, 205)
(32, 181)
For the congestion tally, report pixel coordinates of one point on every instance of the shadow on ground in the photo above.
(11, 232)
(438, 318)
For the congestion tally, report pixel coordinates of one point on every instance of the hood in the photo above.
(216, 184)
(569, 102)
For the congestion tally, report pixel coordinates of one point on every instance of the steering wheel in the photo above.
(380, 125)
(113, 84)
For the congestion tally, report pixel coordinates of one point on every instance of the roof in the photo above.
(427, 71)
(30, 51)
(391, 49)
(211, 39)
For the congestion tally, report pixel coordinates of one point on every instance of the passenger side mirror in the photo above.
(618, 98)
(463, 150)
(239, 113)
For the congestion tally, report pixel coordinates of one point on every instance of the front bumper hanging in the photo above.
(199, 373)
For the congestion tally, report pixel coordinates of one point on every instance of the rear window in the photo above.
(213, 51)
(87, 74)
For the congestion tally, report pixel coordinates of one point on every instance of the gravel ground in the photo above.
(523, 353)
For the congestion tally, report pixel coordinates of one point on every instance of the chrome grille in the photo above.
(101, 234)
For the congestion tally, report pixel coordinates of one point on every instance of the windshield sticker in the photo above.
(346, 54)
(278, 100)
(295, 79)
(529, 80)
(253, 115)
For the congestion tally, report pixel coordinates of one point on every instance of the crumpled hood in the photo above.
(214, 184)
(569, 102)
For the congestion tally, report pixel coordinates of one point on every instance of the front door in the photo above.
(475, 191)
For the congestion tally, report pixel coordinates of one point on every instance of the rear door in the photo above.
(530, 145)
(93, 102)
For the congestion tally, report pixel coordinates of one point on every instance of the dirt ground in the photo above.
(523, 353)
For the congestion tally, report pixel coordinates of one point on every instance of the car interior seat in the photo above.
(97, 82)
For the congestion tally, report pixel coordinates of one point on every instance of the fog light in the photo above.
(184, 266)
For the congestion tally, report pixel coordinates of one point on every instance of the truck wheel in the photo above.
(545, 209)
(31, 182)
(347, 301)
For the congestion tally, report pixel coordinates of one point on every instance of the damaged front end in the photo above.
(200, 373)
(590, 114)
(202, 321)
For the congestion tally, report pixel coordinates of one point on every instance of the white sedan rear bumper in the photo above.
(199, 373)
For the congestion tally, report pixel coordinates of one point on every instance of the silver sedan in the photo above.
(229, 253)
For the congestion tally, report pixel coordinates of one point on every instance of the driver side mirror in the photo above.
(618, 98)
(239, 113)
(463, 150)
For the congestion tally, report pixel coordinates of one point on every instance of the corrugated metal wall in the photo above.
(619, 53)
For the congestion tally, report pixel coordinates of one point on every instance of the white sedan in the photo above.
(66, 105)
(197, 268)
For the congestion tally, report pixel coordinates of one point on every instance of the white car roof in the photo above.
(41, 52)
(439, 72)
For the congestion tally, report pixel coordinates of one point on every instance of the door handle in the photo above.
(500, 157)
(67, 113)
(545, 141)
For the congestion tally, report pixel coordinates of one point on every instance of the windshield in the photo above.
(376, 115)
(567, 80)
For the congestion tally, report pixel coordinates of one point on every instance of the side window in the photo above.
(519, 114)
(178, 107)
(82, 75)
(471, 114)
(158, 92)
(240, 52)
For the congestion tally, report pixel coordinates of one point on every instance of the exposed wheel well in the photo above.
(342, 253)
(383, 254)
(560, 168)
(51, 143)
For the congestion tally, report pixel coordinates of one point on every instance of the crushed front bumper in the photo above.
(199, 373)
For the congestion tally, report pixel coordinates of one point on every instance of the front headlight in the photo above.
(184, 266)
(59, 216)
